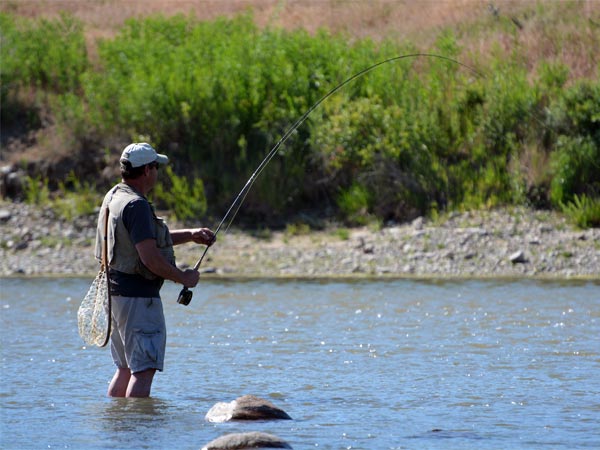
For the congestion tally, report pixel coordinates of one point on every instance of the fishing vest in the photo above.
(122, 254)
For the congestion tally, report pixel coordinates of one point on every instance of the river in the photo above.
(397, 364)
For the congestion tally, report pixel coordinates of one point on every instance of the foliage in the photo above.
(583, 211)
(297, 229)
(576, 159)
(413, 137)
(36, 191)
(576, 165)
(77, 198)
(342, 233)
(49, 54)
(46, 57)
(354, 204)
(185, 199)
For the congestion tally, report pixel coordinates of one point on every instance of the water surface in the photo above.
(358, 365)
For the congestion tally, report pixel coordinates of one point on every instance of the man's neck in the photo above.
(137, 184)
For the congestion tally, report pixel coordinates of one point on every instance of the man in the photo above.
(141, 257)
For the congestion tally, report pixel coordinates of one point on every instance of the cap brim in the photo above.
(162, 159)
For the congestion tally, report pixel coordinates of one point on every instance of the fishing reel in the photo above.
(185, 296)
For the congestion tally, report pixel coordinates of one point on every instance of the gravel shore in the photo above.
(503, 243)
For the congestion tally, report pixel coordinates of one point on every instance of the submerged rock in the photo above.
(247, 407)
(240, 441)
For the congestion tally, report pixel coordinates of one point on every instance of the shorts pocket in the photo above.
(147, 344)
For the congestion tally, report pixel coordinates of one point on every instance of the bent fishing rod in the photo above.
(185, 296)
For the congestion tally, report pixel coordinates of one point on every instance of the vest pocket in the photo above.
(164, 242)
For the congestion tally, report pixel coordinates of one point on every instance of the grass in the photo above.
(342, 233)
(583, 211)
(297, 229)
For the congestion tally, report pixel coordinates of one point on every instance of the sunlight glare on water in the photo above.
(358, 365)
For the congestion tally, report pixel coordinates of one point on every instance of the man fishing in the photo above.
(140, 257)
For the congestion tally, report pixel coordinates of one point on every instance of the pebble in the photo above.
(500, 243)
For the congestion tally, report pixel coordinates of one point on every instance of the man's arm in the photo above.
(158, 264)
(202, 236)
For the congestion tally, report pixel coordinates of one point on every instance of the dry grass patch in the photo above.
(538, 26)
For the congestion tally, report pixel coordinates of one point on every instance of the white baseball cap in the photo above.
(139, 154)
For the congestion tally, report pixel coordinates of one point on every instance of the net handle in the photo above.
(105, 268)
(105, 241)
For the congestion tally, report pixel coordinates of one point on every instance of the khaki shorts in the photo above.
(139, 335)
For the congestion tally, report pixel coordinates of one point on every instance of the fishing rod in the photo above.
(185, 296)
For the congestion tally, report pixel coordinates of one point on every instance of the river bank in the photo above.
(500, 243)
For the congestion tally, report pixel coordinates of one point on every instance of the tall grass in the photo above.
(412, 137)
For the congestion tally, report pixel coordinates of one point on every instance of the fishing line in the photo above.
(186, 294)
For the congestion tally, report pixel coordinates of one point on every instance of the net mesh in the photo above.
(93, 316)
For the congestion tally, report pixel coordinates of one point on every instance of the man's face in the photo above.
(152, 174)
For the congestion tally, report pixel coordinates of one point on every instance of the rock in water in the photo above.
(247, 407)
(240, 441)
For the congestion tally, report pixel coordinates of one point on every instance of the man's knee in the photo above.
(141, 383)
(119, 383)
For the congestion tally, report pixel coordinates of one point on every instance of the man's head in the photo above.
(136, 156)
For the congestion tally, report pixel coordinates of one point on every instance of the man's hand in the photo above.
(190, 278)
(156, 262)
(203, 236)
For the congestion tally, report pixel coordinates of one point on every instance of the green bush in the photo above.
(36, 191)
(354, 204)
(49, 54)
(77, 198)
(185, 200)
(583, 211)
(576, 166)
(413, 137)
(39, 59)
(575, 161)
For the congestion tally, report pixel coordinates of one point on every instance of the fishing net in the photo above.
(93, 316)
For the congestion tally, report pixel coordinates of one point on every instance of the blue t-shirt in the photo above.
(138, 217)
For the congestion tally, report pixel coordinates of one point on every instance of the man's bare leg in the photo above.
(119, 383)
(140, 383)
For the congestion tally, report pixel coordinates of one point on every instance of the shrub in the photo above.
(77, 198)
(583, 211)
(416, 136)
(354, 204)
(185, 200)
(576, 167)
(575, 161)
(36, 191)
(50, 54)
